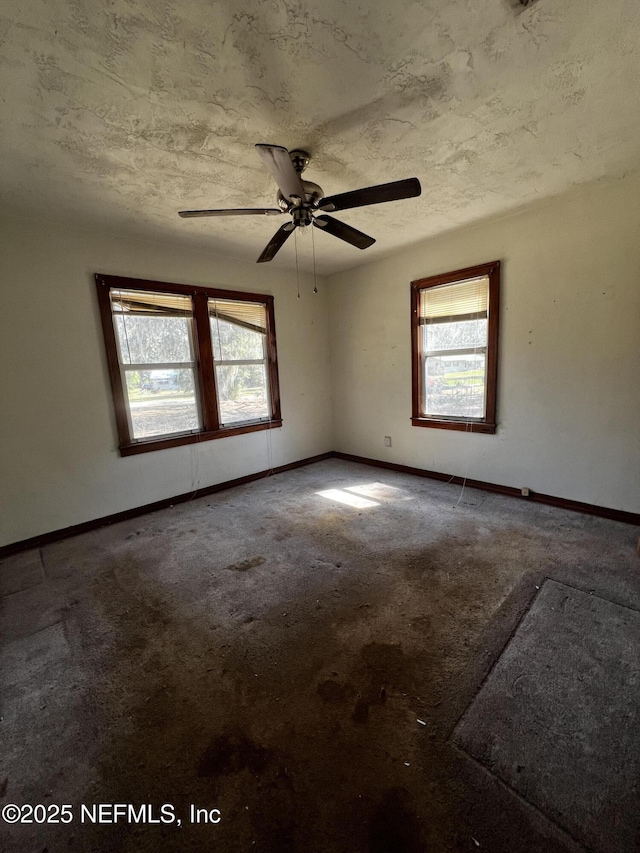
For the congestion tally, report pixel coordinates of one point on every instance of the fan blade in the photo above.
(276, 242)
(232, 211)
(372, 195)
(344, 232)
(277, 160)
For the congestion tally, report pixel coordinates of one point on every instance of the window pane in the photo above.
(454, 385)
(145, 340)
(162, 402)
(242, 392)
(455, 335)
(231, 341)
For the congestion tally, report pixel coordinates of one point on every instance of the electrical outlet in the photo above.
(525, 492)
(387, 441)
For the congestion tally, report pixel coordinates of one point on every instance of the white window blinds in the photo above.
(463, 299)
(250, 315)
(143, 302)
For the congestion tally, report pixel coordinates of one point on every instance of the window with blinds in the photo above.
(239, 334)
(187, 363)
(454, 332)
(157, 364)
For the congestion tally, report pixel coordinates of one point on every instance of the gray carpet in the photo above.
(558, 718)
(296, 653)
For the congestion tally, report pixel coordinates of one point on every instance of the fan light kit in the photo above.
(306, 202)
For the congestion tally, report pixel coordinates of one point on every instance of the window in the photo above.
(455, 349)
(238, 330)
(187, 364)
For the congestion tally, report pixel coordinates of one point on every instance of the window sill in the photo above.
(163, 442)
(462, 426)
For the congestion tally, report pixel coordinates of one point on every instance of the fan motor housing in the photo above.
(313, 193)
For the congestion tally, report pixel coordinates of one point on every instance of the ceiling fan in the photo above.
(307, 203)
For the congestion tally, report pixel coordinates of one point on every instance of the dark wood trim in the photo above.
(274, 382)
(135, 512)
(416, 355)
(489, 425)
(623, 516)
(205, 366)
(461, 426)
(194, 438)
(492, 343)
(113, 365)
(511, 491)
(127, 283)
(457, 275)
(204, 360)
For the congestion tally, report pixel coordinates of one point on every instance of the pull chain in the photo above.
(313, 249)
(295, 237)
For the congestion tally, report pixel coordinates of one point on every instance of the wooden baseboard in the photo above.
(94, 524)
(536, 497)
(511, 491)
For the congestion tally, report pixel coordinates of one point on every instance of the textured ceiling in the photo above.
(122, 112)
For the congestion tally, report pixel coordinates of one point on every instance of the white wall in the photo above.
(569, 357)
(59, 464)
(569, 381)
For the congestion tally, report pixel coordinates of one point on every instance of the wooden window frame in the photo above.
(488, 424)
(204, 363)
